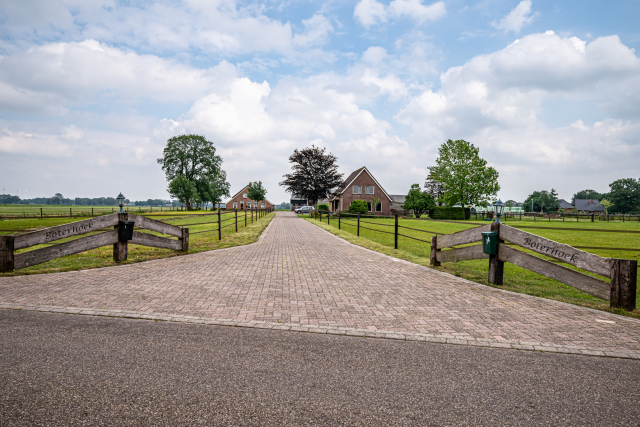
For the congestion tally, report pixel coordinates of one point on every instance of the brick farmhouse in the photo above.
(241, 201)
(361, 185)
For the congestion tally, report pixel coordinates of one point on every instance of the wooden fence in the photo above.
(622, 273)
(9, 260)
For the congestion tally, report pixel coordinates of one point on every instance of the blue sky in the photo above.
(91, 90)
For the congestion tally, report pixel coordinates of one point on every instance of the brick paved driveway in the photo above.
(298, 273)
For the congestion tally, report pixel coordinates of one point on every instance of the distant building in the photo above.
(563, 204)
(297, 201)
(241, 201)
(588, 206)
(361, 185)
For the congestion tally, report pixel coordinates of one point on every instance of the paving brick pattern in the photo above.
(299, 274)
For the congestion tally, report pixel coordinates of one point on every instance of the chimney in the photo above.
(590, 201)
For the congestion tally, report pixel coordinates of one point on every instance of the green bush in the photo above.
(323, 208)
(359, 206)
(446, 212)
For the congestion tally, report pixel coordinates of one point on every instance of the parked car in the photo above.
(304, 209)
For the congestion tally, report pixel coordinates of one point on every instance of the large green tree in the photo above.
(256, 191)
(194, 158)
(183, 190)
(314, 174)
(543, 201)
(464, 174)
(625, 195)
(418, 202)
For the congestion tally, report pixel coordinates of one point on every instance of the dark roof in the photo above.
(590, 205)
(564, 204)
(398, 198)
(244, 188)
(354, 175)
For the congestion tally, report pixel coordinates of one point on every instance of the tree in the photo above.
(587, 194)
(435, 189)
(545, 201)
(194, 158)
(607, 204)
(418, 202)
(213, 190)
(256, 191)
(464, 175)
(183, 190)
(315, 174)
(625, 195)
(359, 206)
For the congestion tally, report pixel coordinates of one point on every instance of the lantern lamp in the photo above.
(120, 200)
(498, 209)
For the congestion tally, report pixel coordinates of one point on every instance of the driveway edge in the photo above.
(333, 330)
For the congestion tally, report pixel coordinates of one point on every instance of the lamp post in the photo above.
(498, 209)
(120, 200)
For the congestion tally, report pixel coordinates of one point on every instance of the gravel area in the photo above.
(61, 369)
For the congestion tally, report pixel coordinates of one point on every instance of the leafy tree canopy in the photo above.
(464, 174)
(435, 189)
(587, 194)
(183, 190)
(194, 158)
(418, 202)
(314, 174)
(625, 195)
(543, 201)
(256, 191)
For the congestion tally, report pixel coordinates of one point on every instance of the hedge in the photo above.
(446, 212)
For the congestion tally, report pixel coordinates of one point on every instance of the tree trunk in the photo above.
(463, 215)
(188, 203)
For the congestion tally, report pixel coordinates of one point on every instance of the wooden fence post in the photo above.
(395, 240)
(358, 223)
(185, 239)
(328, 217)
(236, 220)
(339, 220)
(496, 267)
(6, 254)
(251, 215)
(120, 249)
(434, 251)
(41, 213)
(219, 225)
(245, 217)
(624, 274)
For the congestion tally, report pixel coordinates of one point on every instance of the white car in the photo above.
(304, 209)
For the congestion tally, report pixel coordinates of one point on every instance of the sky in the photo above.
(90, 91)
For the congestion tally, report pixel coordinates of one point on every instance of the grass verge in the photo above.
(103, 257)
(516, 279)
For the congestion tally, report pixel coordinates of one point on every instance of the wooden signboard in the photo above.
(63, 231)
(157, 226)
(461, 254)
(464, 237)
(570, 255)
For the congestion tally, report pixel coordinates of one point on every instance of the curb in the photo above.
(334, 330)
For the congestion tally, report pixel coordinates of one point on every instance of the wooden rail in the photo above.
(620, 291)
(9, 260)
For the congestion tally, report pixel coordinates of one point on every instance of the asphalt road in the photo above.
(59, 369)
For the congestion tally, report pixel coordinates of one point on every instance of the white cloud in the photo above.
(374, 55)
(371, 12)
(317, 29)
(519, 17)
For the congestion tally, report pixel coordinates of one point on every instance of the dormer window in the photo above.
(368, 189)
(357, 189)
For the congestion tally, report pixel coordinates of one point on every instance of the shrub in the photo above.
(446, 212)
(359, 206)
(323, 208)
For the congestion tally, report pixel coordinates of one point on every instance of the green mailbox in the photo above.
(490, 242)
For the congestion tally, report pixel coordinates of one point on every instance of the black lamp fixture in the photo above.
(498, 209)
(120, 200)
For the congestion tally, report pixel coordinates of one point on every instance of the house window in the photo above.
(235, 205)
(244, 195)
(368, 189)
(262, 205)
(357, 189)
(249, 205)
(369, 206)
(379, 207)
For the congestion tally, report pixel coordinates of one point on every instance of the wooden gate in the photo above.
(9, 260)
(622, 273)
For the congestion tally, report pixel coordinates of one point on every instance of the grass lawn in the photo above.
(201, 238)
(516, 278)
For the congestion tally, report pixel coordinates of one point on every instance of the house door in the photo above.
(241, 206)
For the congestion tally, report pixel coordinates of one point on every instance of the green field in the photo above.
(203, 236)
(38, 211)
(515, 278)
